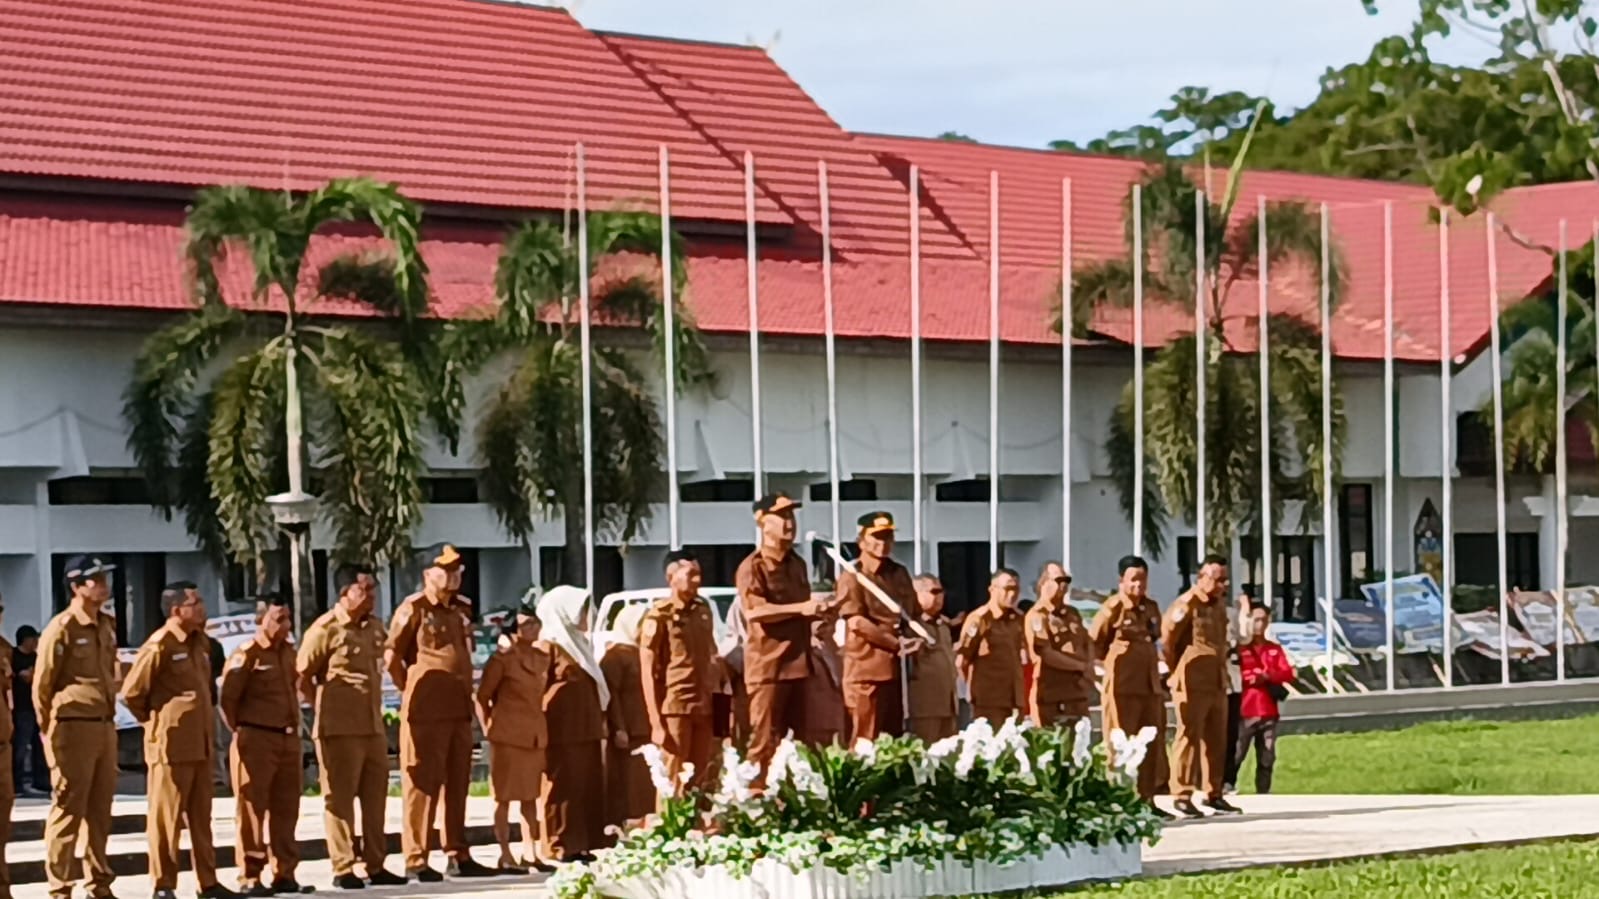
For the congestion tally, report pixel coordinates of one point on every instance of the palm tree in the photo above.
(530, 438)
(1232, 429)
(215, 400)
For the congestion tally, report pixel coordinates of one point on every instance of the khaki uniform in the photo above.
(680, 672)
(572, 802)
(777, 658)
(1063, 681)
(872, 688)
(512, 695)
(8, 793)
(74, 693)
(260, 699)
(825, 719)
(932, 687)
(992, 646)
(168, 690)
(341, 660)
(1195, 636)
(1124, 637)
(434, 641)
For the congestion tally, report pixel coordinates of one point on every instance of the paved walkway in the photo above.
(1274, 830)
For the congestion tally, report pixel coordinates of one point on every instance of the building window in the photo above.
(99, 491)
(976, 490)
(823, 569)
(730, 490)
(1293, 592)
(1477, 560)
(451, 491)
(607, 570)
(719, 562)
(964, 571)
(1187, 560)
(857, 490)
(1354, 536)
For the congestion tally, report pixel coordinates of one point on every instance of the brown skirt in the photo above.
(629, 793)
(516, 773)
(572, 799)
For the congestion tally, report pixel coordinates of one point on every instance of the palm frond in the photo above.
(637, 300)
(1293, 234)
(1235, 171)
(245, 429)
(263, 221)
(536, 269)
(192, 481)
(529, 434)
(1121, 451)
(628, 445)
(635, 232)
(398, 220)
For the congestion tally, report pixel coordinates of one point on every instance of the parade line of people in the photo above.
(564, 721)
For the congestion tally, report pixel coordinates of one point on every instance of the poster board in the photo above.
(1306, 644)
(1538, 611)
(1361, 626)
(1582, 608)
(1479, 631)
(1418, 612)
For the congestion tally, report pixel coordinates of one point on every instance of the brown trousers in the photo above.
(266, 772)
(179, 797)
(1057, 714)
(8, 798)
(995, 714)
(85, 780)
(931, 730)
(1201, 745)
(1131, 714)
(874, 709)
(692, 739)
(435, 770)
(572, 812)
(776, 709)
(354, 768)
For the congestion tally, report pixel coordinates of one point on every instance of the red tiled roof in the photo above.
(458, 101)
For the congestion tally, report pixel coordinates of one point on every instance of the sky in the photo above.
(1022, 73)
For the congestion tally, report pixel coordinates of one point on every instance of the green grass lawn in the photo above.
(1552, 870)
(1481, 758)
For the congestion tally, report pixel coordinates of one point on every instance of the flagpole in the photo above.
(757, 465)
(669, 314)
(1138, 370)
(1264, 541)
(1562, 526)
(1326, 440)
(1388, 437)
(993, 371)
(1446, 442)
(832, 352)
(1201, 375)
(917, 476)
(1499, 445)
(1066, 321)
(588, 369)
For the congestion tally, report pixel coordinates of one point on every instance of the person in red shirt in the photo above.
(1265, 671)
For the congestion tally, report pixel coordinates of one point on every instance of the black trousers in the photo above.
(1234, 757)
(1263, 733)
(28, 767)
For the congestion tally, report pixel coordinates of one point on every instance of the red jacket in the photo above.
(1262, 663)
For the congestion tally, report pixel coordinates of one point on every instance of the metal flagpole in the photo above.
(588, 369)
(1388, 438)
(1326, 440)
(1446, 441)
(1066, 373)
(1201, 375)
(832, 352)
(1562, 525)
(756, 463)
(669, 313)
(1138, 370)
(916, 368)
(993, 370)
(1499, 444)
(1268, 586)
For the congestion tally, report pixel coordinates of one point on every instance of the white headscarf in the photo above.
(559, 611)
(624, 630)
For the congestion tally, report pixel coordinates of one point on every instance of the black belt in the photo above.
(277, 730)
(92, 720)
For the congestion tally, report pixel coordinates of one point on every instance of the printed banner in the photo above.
(1538, 613)
(1418, 612)
(1361, 626)
(1306, 644)
(1480, 632)
(1582, 605)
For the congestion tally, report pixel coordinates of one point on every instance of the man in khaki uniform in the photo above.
(872, 639)
(1195, 637)
(678, 663)
(1124, 635)
(991, 652)
(261, 706)
(774, 590)
(932, 688)
(8, 794)
(168, 690)
(1063, 682)
(429, 657)
(75, 694)
(341, 676)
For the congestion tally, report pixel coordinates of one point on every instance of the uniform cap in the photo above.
(680, 555)
(875, 522)
(443, 555)
(776, 504)
(80, 567)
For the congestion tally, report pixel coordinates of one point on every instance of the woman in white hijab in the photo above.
(574, 706)
(629, 792)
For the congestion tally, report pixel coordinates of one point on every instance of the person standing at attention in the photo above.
(510, 708)
(629, 794)
(575, 700)
(932, 690)
(341, 676)
(169, 691)
(680, 669)
(1124, 633)
(1063, 683)
(8, 794)
(991, 651)
(873, 643)
(1194, 635)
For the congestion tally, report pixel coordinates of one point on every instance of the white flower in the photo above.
(687, 774)
(944, 748)
(777, 768)
(866, 750)
(656, 761)
(737, 775)
(1128, 755)
(1081, 744)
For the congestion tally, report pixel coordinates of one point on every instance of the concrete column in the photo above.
(1548, 545)
(45, 608)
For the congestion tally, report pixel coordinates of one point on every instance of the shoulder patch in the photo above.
(650, 626)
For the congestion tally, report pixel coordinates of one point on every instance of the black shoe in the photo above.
(1187, 809)
(255, 890)
(1161, 813)
(383, 878)
(290, 887)
(467, 867)
(538, 865)
(217, 891)
(424, 874)
(1221, 806)
(164, 894)
(349, 882)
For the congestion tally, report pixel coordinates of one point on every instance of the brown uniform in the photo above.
(777, 658)
(8, 794)
(679, 668)
(825, 719)
(168, 690)
(1063, 681)
(341, 659)
(260, 701)
(992, 646)
(574, 820)
(1195, 635)
(629, 793)
(74, 693)
(872, 688)
(433, 639)
(512, 695)
(932, 687)
(1124, 637)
